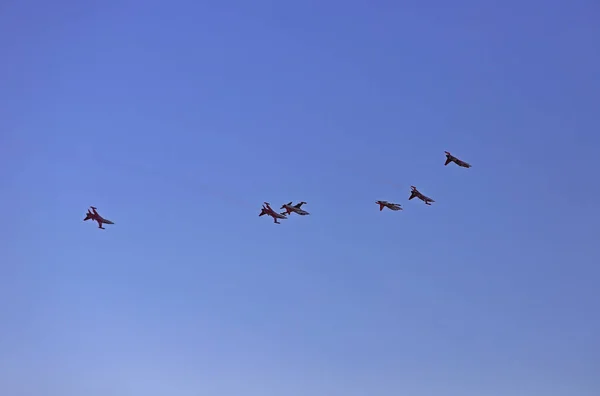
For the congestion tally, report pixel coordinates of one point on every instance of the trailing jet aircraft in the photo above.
(96, 217)
(267, 210)
(389, 205)
(294, 209)
(451, 158)
(417, 194)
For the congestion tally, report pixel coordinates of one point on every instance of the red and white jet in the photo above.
(294, 209)
(417, 194)
(96, 217)
(451, 158)
(267, 210)
(389, 205)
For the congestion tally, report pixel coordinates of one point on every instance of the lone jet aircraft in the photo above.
(267, 210)
(96, 217)
(294, 209)
(417, 194)
(389, 205)
(451, 158)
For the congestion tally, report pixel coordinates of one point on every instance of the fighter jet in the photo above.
(96, 217)
(267, 210)
(389, 205)
(294, 209)
(451, 158)
(416, 194)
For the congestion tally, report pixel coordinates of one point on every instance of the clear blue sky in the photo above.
(178, 119)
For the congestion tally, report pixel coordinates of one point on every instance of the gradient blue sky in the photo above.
(178, 119)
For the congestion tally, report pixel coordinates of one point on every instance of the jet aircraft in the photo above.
(294, 209)
(267, 210)
(451, 158)
(417, 194)
(389, 205)
(96, 217)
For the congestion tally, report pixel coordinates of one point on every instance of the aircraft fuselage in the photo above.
(296, 210)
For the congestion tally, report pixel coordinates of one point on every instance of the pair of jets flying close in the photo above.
(289, 208)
